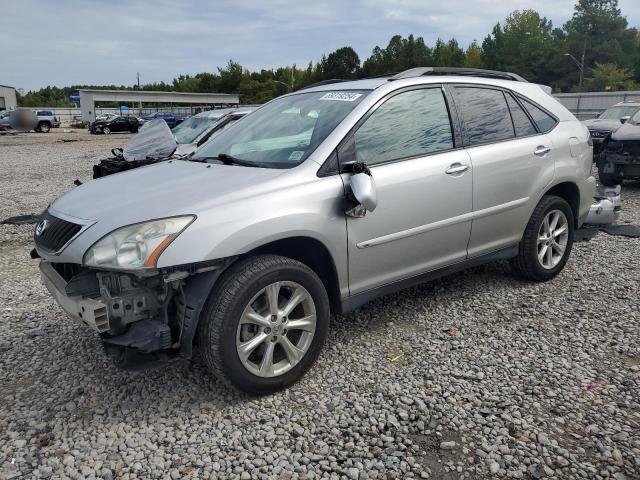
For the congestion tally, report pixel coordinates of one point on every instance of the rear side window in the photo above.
(486, 115)
(521, 121)
(544, 121)
(409, 124)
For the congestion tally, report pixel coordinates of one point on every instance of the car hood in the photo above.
(162, 190)
(598, 124)
(628, 131)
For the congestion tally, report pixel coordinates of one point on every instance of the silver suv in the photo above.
(314, 204)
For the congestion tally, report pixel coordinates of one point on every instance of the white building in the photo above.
(8, 99)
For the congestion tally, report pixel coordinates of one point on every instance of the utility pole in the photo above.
(139, 101)
(293, 69)
(584, 49)
(580, 66)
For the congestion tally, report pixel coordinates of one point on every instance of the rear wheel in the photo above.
(547, 241)
(264, 324)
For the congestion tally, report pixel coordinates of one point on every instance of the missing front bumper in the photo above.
(91, 312)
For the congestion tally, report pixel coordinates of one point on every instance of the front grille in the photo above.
(599, 133)
(54, 232)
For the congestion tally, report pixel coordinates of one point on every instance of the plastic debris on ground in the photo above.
(21, 220)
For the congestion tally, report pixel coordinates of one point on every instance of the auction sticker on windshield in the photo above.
(341, 96)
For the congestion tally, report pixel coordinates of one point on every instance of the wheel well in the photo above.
(42, 122)
(569, 192)
(314, 255)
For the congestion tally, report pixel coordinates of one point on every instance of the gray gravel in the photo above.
(477, 375)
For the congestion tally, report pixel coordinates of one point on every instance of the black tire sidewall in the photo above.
(228, 320)
(554, 203)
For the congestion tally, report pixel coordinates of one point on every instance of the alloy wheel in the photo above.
(552, 239)
(276, 329)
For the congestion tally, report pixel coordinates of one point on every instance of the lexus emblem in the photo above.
(41, 227)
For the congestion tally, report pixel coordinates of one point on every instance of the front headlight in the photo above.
(136, 246)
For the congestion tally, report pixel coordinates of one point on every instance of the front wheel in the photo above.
(264, 324)
(44, 127)
(547, 240)
(106, 130)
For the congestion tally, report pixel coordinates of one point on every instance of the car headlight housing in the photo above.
(136, 246)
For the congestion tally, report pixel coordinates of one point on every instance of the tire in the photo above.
(608, 179)
(44, 127)
(106, 130)
(134, 130)
(528, 263)
(221, 335)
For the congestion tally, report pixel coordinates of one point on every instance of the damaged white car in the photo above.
(318, 202)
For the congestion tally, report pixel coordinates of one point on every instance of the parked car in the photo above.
(620, 156)
(46, 121)
(115, 124)
(171, 118)
(196, 130)
(5, 118)
(608, 122)
(246, 248)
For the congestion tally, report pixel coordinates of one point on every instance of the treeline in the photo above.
(524, 43)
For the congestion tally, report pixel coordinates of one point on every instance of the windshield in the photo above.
(616, 113)
(284, 132)
(192, 128)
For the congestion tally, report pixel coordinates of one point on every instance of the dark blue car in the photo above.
(171, 118)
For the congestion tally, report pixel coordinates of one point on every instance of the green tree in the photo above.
(609, 77)
(343, 63)
(473, 56)
(448, 54)
(400, 54)
(522, 44)
(598, 32)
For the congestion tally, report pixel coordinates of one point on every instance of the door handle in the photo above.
(541, 151)
(456, 168)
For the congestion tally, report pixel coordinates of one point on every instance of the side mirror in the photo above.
(625, 119)
(363, 189)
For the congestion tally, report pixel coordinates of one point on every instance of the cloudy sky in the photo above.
(106, 42)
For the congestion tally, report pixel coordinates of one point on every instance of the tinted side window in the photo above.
(486, 115)
(409, 124)
(521, 121)
(544, 121)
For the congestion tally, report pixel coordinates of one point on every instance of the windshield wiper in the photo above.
(230, 160)
(226, 159)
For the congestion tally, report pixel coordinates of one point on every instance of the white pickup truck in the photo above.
(46, 121)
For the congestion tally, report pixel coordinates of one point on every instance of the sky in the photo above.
(70, 42)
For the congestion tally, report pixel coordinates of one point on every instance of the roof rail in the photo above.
(470, 72)
(324, 82)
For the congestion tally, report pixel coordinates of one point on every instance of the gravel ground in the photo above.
(477, 375)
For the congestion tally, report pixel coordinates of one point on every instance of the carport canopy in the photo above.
(88, 98)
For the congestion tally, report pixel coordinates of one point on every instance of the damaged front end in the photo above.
(143, 318)
(154, 143)
(620, 157)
